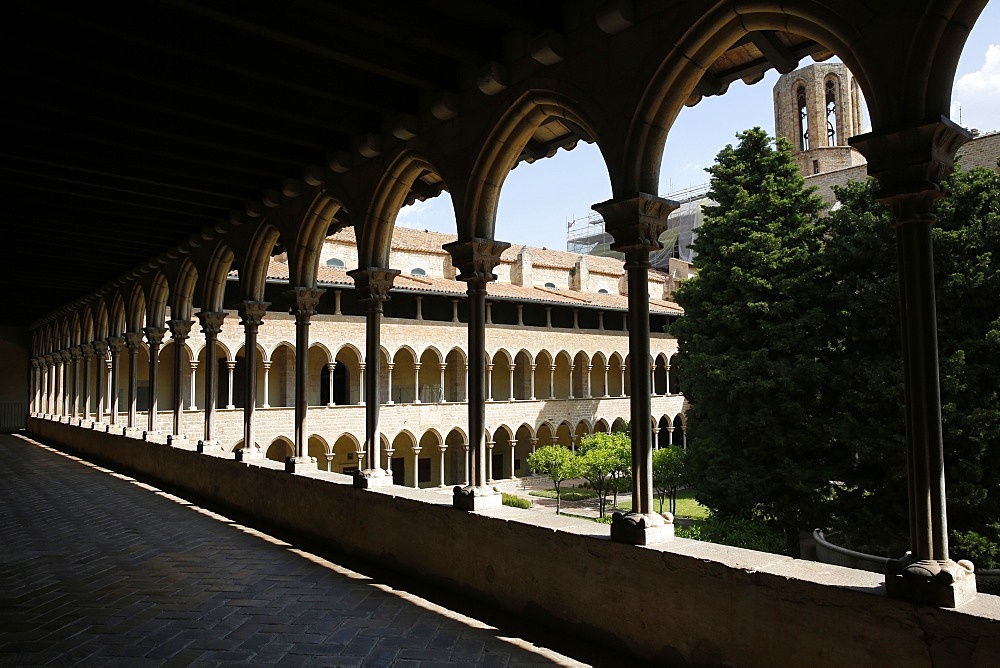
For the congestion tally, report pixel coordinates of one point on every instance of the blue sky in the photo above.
(538, 199)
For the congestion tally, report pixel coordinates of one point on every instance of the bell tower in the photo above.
(817, 108)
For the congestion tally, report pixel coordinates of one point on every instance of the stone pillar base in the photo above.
(176, 440)
(154, 437)
(133, 432)
(370, 478)
(946, 584)
(207, 446)
(639, 529)
(300, 464)
(476, 498)
(248, 454)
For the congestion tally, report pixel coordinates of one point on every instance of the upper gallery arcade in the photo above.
(494, 84)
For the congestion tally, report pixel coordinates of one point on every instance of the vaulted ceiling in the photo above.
(128, 128)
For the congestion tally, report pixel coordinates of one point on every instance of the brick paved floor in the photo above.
(99, 569)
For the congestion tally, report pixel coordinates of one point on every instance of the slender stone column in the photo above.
(572, 393)
(154, 337)
(489, 382)
(267, 383)
(607, 367)
(133, 340)
(50, 379)
(489, 461)
(532, 381)
(87, 351)
(443, 449)
(193, 403)
(513, 473)
(670, 435)
(622, 369)
(34, 386)
(475, 259)
(64, 382)
(511, 380)
(100, 375)
(552, 381)
(330, 367)
(230, 369)
(416, 383)
(179, 331)
(389, 366)
(251, 317)
(211, 325)
(910, 165)
(587, 394)
(443, 399)
(115, 345)
(652, 379)
(467, 472)
(75, 356)
(416, 467)
(666, 371)
(372, 285)
(361, 384)
(635, 224)
(304, 302)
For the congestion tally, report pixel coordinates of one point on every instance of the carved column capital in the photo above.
(65, 355)
(36, 363)
(133, 339)
(911, 164)
(49, 359)
(252, 313)
(636, 223)
(476, 258)
(304, 301)
(372, 284)
(115, 344)
(75, 352)
(211, 322)
(180, 329)
(100, 347)
(154, 335)
(87, 350)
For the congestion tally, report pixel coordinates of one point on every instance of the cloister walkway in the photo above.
(97, 568)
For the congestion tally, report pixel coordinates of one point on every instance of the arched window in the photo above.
(335, 262)
(417, 271)
(800, 97)
(602, 291)
(831, 112)
(551, 285)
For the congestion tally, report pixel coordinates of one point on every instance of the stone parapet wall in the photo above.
(738, 607)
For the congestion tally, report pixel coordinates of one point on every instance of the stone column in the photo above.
(87, 351)
(372, 285)
(670, 435)
(65, 365)
(34, 386)
(304, 303)
(533, 367)
(115, 345)
(548, 316)
(622, 369)
(572, 393)
(133, 340)
(329, 462)
(100, 374)
(211, 325)
(388, 367)
(666, 371)
(267, 383)
(552, 380)
(520, 315)
(489, 382)
(230, 368)
(420, 310)
(416, 383)
(193, 402)
(475, 259)
(511, 379)
(330, 367)
(635, 224)
(443, 450)
(251, 317)
(179, 331)
(910, 165)
(489, 460)
(154, 337)
(607, 367)
(76, 356)
(652, 379)
(416, 467)
(443, 399)
(467, 471)
(587, 394)
(513, 445)
(361, 383)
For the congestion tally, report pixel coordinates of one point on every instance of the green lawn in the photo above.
(687, 507)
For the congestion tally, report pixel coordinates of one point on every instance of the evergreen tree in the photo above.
(752, 341)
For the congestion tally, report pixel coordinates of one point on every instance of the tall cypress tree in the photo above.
(752, 343)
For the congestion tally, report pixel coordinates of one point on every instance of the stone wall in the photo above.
(676, 603)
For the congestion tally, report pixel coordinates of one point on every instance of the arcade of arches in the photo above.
(617, 75)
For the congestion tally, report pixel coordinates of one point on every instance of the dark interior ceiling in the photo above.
(130, 127)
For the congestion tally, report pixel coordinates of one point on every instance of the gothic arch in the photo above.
(503, 146)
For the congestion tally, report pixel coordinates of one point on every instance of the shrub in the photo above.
(515, 501)
(737, 532)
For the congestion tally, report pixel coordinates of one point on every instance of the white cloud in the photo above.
(976, 96)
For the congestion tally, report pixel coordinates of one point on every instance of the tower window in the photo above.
(815, 166)
(335, 262)
(800, 97)
(831, 113)
(417, 271)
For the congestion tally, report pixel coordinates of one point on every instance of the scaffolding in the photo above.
(587, 236)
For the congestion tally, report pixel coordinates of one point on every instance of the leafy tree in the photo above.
(669, 473)
(556, 462)
(603, 459)
(866, 364)
(751, 343)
